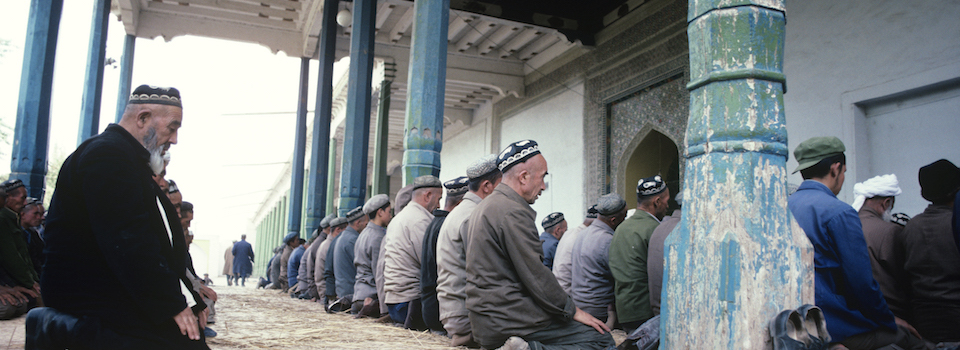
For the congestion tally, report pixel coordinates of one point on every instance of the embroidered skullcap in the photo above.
(483, 166)
(375, 203)
(290, 236)
(457, 187)
(426, 181)
(337, 221)
(877, 186)
(552, 220)
(611, 204)
(651, 186)
(516, 153)
(355, 214)
(173, 187)
(900, 219)
(146, 94)
(592, 212)
(326, 221)
(939, 180)
(11, 185)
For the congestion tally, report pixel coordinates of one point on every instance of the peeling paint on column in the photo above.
(737, 257)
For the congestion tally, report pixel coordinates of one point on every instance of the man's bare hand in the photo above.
(900, 322)
(208, 293)
(587, 319)
(26, 291)
(188, 324)
(36, 288)
(8, 296)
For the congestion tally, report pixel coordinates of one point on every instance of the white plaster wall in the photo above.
(835, 49)
(463, 149)
(556, 124)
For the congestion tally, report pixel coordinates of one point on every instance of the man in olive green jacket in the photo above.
(628, 253)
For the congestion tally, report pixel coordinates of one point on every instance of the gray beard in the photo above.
(888, 215)
(156, 151)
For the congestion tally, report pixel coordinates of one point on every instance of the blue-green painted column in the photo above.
(356, 133)
(426, 82)
(317, 188)
(299, 151)
(28, 160)
(737, 258)
(331, 179)
(381, 182)
(93, 82)
(126, 74)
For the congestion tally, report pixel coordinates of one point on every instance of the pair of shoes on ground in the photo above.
(800, 329)
(209, 333)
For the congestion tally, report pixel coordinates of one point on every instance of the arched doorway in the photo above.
(655, 154)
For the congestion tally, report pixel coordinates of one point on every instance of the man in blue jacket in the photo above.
(856, 313)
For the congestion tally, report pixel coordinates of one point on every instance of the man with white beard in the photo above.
(874, 203)
(111, 230)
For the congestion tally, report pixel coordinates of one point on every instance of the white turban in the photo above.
(877, 186)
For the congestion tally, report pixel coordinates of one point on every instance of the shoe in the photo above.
(787, 331)
(815, 326)
(515, 343)
(209, 333)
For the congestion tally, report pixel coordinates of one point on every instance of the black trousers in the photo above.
(48, 328)
(431, 310)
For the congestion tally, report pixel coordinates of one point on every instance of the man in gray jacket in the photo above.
(451, 255)
(366, 253)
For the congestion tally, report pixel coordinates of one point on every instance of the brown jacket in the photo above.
(509, 290)
(886, 259)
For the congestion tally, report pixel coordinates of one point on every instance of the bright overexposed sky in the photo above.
(228, 146)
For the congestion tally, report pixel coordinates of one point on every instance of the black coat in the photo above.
(108, 254)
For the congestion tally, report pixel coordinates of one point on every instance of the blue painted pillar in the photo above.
(28, 160)
(126, 74)
(737, 258)
(381, 182)
(299, 151)
(93, 82)
(331, 179)
(353, 167)
(426, 82)
(320, 155)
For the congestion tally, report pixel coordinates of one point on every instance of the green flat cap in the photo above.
(815, 149)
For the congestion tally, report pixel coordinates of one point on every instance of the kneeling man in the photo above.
(510, 293)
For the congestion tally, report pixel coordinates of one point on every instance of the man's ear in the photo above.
(143, 117)
(835, 169)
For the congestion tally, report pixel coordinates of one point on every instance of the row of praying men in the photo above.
(21, 250)
(493, 286)
(472, 269)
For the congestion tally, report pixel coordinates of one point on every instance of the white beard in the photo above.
(156, 151)
(156, 161)
(888, 215)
